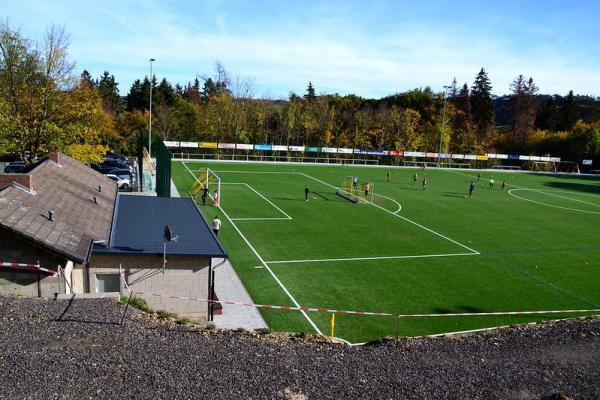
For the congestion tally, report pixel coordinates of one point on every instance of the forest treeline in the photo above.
(45, 105)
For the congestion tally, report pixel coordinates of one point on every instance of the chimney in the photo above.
(51, 215)
(54, 157)
(21, 179)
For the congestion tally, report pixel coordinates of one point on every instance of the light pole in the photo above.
(443, 122)
(150, 118)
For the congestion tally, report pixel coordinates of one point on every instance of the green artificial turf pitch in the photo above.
(533, 246)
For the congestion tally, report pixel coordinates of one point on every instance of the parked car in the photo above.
(110, 154)
(122, 182)
(116, 163)
(123, 172)
(103, 169)
(15, 167)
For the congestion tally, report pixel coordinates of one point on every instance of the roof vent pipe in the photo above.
(50, 215)
(95, 200)
(100, 189)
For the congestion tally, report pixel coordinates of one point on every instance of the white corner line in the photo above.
(404, 218)
(287, 292)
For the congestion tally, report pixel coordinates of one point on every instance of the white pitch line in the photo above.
(287, 292)
(404, 218)
(268, 201)
(510, 192)
(255, 172)
(389, 198)
(260, 219)
(545, 191)
(370, 258)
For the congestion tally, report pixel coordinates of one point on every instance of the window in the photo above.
(106, 283)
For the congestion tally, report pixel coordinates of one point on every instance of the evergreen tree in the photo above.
(568, 113)
(522, 109)
(482, 106)
(164, 94)
(138, 97)
(86, 78)
(109, 91)
(310, 92)
(462, 102)
(548, 117)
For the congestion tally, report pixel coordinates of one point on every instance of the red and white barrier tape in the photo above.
(380, 314)
(29, 267)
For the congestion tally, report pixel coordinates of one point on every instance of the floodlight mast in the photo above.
(150, 117)
(443, 122)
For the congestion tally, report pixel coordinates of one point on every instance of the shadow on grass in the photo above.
(576, 186)
(452, 194)
(458, 309)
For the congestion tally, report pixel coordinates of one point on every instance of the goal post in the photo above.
(556, 166)
(207, 179)
(354, 189)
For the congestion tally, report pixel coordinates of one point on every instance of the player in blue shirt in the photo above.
(471, 188)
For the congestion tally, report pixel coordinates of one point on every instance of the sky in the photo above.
(369, 48)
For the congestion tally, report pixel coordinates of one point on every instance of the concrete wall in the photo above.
(183, 276)
(15, 249)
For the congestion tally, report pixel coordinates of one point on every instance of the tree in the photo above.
(523, 108)
(87, 79)
(568, 113)
(482, 106)
(31, 82)
(109, 91)
(310, 92)
(164, 94)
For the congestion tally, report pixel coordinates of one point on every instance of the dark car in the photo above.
(110, 154)
(15, 167)
(115, 163)
(103, 169)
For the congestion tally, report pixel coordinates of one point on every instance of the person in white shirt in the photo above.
(216, 225)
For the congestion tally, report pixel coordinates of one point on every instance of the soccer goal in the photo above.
(356, 189)
(207, 179)
(570, 167)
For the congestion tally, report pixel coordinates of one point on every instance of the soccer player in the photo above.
(415, 178)
(471, 188)
(478, 177)
(492, 183)
(354, 181)
(367, 187)
(424, 183)
(216, 199)
(503, 184)
(216, 225)
(204, 194)
(306, 191)
(387, 176)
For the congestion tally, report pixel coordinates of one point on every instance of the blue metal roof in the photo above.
(139, 223)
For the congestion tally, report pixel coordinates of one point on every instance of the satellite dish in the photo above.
(168, 235)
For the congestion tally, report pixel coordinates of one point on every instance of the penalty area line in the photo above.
(286, 291)
(404, 218)
(370, 258)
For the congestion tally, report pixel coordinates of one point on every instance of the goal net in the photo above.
(356, 189)
(556, 166)
(212, 182)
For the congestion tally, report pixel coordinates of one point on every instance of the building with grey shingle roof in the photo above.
(67, 217)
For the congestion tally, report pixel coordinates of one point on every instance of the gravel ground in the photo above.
(72, 350)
